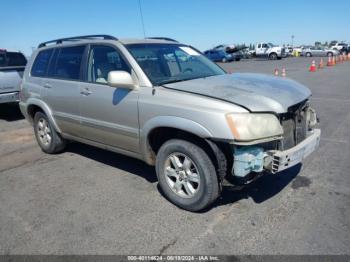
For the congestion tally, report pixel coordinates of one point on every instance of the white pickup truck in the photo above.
(269, 51)
(12, 64)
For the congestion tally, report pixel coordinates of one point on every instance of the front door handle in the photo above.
(86, 92)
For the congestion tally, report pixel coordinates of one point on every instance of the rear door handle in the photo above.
(86, 92)
(47, 85)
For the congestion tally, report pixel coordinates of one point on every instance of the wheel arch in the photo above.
(35, 105)
(158, 131)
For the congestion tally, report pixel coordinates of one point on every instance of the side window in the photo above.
(102, 60)
(67, 63)
(41, 63)
(259, 45)
(264, 46)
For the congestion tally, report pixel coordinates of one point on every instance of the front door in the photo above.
(108, 115)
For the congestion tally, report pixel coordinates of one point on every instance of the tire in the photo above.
(329, 54)
(48, 139)
(174, 182)
(308, 54)
(273, 56)
(238, 59)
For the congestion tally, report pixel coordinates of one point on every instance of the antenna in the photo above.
(143, 25)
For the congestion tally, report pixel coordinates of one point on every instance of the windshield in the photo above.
(271, 45)
(169, 63)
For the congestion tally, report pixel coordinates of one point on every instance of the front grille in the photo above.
(294, 124)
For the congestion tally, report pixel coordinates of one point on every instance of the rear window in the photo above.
(66, 65)
(15, 59)
(41, 63)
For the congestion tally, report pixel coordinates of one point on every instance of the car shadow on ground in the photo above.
(264, 188)
(260, 190)
(125, 163)
(10, 112)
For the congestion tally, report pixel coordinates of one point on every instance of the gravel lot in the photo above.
(91, 201)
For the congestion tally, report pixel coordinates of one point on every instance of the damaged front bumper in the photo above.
(277, 161)
(255, 159)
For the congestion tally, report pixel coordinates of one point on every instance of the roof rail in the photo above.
(75, 38)
(163, 38)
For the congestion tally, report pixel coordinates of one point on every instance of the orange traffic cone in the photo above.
(349, 57)
(320, 65)
(334, 60)
(329, 63)
(313, 67)
(284, 74)
(276, 72)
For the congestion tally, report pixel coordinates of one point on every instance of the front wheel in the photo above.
(47, 137)
(186, 175)
(273, 56)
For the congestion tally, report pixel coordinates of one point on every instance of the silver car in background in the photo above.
(319, 51)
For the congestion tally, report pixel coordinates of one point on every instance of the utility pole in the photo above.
(292, 40)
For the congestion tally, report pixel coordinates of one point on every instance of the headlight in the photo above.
(246, 126)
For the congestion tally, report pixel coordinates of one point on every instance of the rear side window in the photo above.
(41, 63)
(15, 59)
(66, 65)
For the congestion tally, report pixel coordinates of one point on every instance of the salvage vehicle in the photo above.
(218, 56)
(12, 64)
(269, 51)
(319, 51)
(199, 126)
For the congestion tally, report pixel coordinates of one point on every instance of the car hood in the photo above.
(255, 92)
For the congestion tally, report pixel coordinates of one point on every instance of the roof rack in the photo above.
(163, 38)
(75, 38)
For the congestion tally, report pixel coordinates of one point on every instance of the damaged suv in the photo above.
(165, 103)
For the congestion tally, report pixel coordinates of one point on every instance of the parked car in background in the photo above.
(344, 50)
(198, 125)
(339, 46)
(319, 51)
(269, 51)
(232, 50)
(219, 56)
(12, 65)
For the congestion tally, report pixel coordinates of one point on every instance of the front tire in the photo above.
(48, 139)
(273, 56)
(186, 175)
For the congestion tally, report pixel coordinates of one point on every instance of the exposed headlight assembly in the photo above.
(250, 126)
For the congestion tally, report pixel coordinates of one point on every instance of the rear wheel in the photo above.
(329, 54)
(308, 54)
(47, 137)
(186, 175)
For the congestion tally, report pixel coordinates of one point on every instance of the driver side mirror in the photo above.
(120, 79)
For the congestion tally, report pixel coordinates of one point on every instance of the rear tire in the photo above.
(48, 139)
(186, 175)
(308, 54)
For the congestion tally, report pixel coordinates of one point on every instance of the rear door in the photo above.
(61, 87)
(109, 115)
